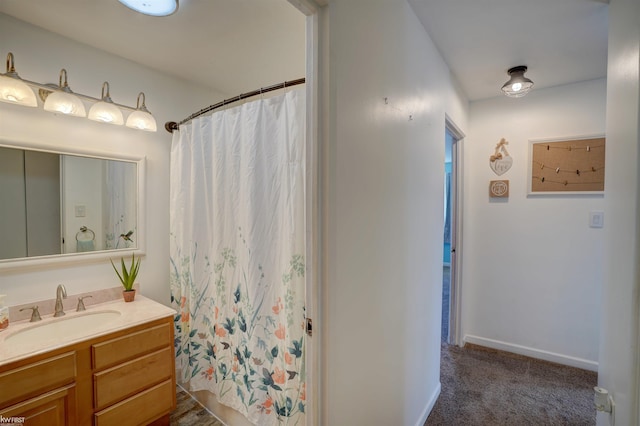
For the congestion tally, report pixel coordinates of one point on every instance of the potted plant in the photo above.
(128, 277)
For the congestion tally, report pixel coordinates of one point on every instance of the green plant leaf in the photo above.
(119, 276)
(127, 276)
(125, 273)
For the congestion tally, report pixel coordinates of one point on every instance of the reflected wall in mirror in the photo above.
(57, 203)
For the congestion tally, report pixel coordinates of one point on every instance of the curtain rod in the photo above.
(170, 126)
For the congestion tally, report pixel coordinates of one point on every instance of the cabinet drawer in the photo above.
(37, 378)
(124, 380)
(141, 408)
(124, 348)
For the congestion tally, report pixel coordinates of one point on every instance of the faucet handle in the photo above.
(80, 306)
(35, 315)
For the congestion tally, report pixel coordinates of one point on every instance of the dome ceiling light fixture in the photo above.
(518, 85)
(152, 7)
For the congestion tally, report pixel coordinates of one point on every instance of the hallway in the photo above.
(487, 387)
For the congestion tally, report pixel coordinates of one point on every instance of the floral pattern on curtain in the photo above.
(237, 264)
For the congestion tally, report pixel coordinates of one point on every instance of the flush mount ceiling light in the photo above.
(64, 100)
(141, 118)
(60, 98)
(518, 85)
(13, 89)
(106, 111)
(152, 7)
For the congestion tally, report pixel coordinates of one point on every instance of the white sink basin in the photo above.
(64, 328)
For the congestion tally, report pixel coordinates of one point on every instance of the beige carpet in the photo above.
(485, 387)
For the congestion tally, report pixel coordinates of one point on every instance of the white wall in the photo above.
(39, 56)
(619, 349)
(383, 214)
(532, 266)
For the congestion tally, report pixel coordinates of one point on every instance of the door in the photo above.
(42, 189)
(452, 236)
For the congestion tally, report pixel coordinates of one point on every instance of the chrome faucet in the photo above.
(61, 293)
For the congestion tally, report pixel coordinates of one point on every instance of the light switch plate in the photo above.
(596, 219)
(81, 211)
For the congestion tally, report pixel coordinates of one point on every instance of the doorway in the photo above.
(451, 233)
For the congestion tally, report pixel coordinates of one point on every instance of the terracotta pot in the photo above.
(129, 295)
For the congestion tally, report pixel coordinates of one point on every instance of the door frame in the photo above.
(313, 218)
(316, 18)
(455, 293)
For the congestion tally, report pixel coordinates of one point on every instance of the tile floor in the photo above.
(190, 413)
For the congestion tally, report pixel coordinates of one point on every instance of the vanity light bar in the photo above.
(16, 90)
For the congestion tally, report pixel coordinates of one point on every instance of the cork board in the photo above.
(567, 166)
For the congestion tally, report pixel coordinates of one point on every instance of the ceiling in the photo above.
(231, 46)
(561, 41)
(235, 46)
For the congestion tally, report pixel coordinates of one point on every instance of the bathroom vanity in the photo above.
(110, 365)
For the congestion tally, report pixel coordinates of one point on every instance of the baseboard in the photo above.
(533, 353)
(427, 409)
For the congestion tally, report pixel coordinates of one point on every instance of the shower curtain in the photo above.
(237, 257)
(119, 204)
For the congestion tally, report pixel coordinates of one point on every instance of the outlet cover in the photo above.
(81, 211)
(596, 219)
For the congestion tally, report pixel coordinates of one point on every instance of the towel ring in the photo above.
(83, 231)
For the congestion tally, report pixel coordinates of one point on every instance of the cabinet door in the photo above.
(55, 408)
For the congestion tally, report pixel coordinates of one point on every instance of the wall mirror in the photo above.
(65, 206)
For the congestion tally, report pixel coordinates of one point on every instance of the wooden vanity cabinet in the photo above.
(55, 408)
(43, 391)
(122, 378)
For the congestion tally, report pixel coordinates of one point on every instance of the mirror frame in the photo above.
(65, 259)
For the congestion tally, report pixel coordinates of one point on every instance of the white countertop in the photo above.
(138, 312)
